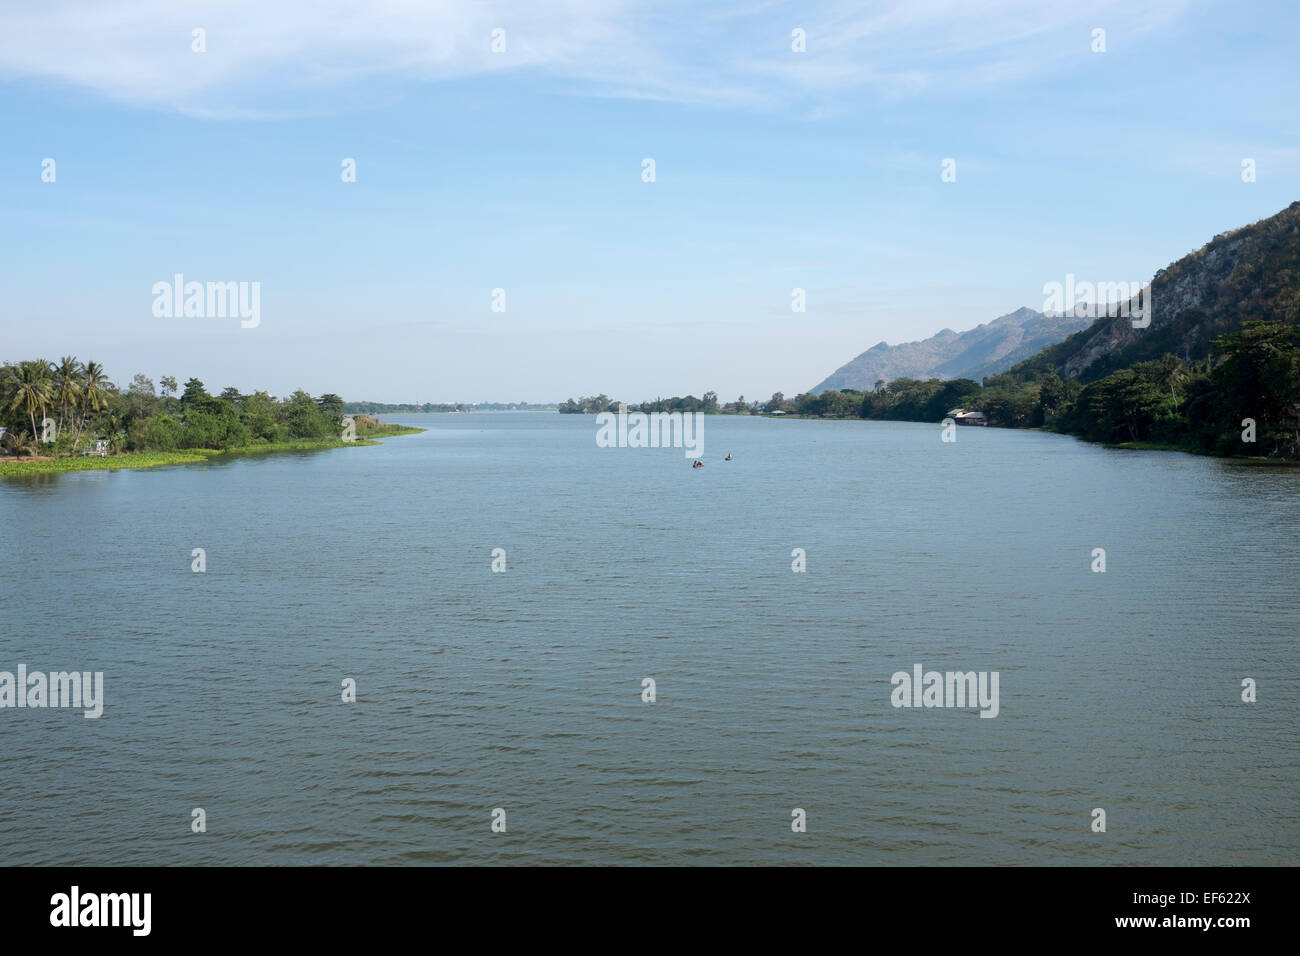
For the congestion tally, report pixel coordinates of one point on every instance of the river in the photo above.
(523, 690)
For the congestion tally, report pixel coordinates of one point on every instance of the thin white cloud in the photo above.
(268, 58)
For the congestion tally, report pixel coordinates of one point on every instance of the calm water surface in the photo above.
(522, 690)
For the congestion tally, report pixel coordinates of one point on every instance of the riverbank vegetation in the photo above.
(67, 415)
(152, 459)
(1242, 399)
(708, 405)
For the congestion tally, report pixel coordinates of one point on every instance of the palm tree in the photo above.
(93, 392)
(32, 389)
(67, 388)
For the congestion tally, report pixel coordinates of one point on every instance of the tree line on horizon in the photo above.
(59, 409)
(1248, 384)
(1251, 375)
(708, 405)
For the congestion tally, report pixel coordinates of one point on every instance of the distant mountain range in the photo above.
(984, 350)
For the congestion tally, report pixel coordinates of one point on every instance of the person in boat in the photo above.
(698, 464)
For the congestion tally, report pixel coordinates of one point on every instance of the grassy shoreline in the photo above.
(189, 456)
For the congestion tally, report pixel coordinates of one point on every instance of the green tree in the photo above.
(94, 394)
(261, 415)
(304, 418)
(33, 389)
(1259, 378)
(331, 406)
(141, 399)
(67, 386)
(194, 392)
(1051, 396)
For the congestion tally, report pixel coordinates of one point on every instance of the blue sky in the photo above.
(521, 170)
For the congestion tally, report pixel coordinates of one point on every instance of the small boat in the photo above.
(728, 458)
(698, 464)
